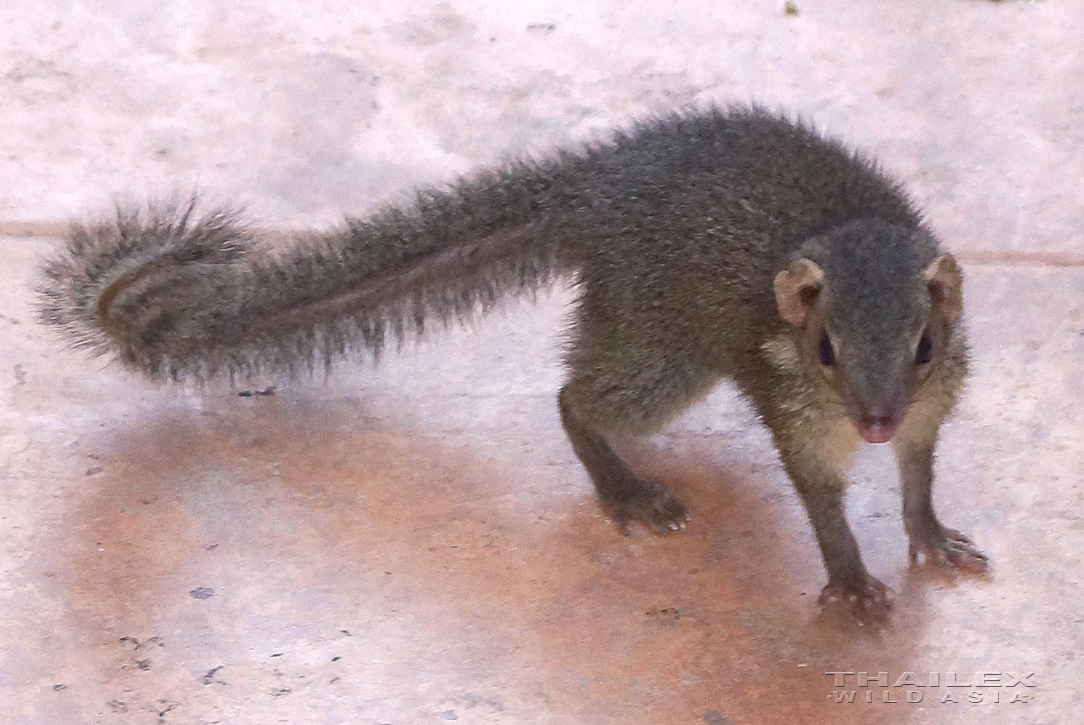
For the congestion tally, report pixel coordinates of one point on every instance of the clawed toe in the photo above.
(870, 602)
(651, 503)
(951, 549)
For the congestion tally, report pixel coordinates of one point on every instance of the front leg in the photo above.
(821, 484)
(930, 540)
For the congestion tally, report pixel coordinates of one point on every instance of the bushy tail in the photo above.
(180, 295)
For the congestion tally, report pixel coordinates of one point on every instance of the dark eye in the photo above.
(824, 349)
(924, 353)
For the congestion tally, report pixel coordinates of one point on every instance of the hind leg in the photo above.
(635, 362)
(623, 495)
(620, 386)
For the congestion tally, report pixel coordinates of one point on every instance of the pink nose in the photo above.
(877, 429)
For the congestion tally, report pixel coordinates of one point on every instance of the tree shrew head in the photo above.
(873, 315)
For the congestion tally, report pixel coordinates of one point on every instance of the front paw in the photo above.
(648, 501)
(868, 599)
(948, 548)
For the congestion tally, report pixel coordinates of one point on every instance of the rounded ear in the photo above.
(945, 282)
(796, 288)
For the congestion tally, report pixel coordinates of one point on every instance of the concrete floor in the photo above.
(417, 543)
